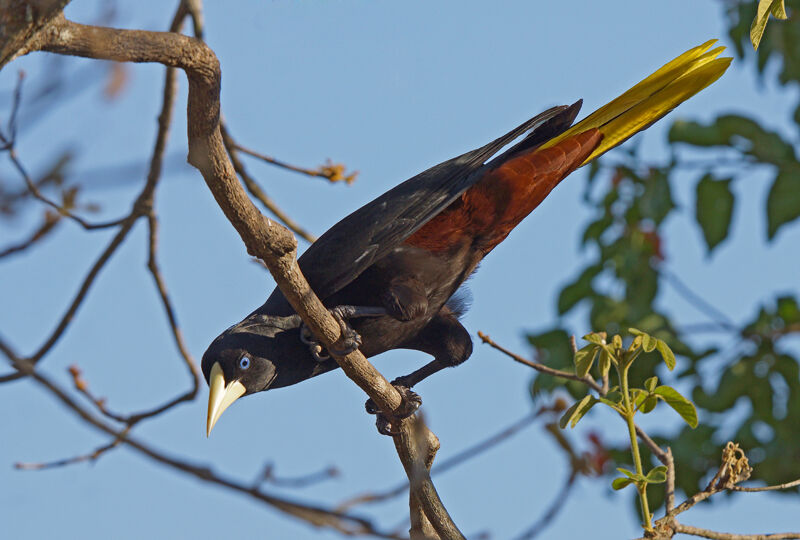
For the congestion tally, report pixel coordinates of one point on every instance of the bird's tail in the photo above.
(652, 98)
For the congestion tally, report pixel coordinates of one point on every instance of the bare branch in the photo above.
(267, 476)
(90, 457)
(787, 485)
(20, 21)
(706, 533)
(588, 381)
(333, 172)
(63, 211)
(659, 452)
(445, 465)
(320, 517)
(177, 336)
(256, 191)
(8, 145)
(48, 225)
(669, 499)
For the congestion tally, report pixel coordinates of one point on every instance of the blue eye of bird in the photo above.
(244, 362)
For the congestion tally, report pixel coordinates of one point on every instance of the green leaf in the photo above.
(637, 396)
(657, 475)
(783, 201)
(620, 483)
(614, 395)
(778, 10)
(635, 332)
(634, 477)
(738, 132)
(613, 404)
(765, 7)
(651, 384)
(553, 348)
(576, 412)
(680, 404)
(604, 363)
(596, 228)
(649, 404)
(655, 202)
(714, 209)
(596, 338)
(648, 343)
(788, 310)
(666, 354)
(584, 359)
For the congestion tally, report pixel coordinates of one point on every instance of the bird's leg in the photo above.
(350, 338)
(450, 345)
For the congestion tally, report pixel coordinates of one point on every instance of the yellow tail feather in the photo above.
(652, 98)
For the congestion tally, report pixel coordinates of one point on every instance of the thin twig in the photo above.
(344, 523)
(169, 310)
(659, 452)
(51, 219)
(256, 191)
(12, 154)
(669, 500)
(330, 171)
(195, 10)
(9, 146)
(706, 533)
(267, 476)
(787, 485)
(90, 457)
(588, 381)
(79, 297)
(15, 103)
(444, 465)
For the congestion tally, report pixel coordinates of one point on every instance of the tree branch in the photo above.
(330, 171)
(705, 533)
(588, 381)
(262, 237)
(320, 517)
(256, 191)
(445, 465)
(20, 21)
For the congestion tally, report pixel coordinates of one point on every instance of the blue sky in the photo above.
(388, 88)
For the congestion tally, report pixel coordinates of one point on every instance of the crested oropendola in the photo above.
(391, 268)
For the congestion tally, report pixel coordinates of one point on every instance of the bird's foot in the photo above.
(350, 339)
(411, 401)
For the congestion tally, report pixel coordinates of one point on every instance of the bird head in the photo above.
(257, 354)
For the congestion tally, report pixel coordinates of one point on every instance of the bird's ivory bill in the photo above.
(220, 396)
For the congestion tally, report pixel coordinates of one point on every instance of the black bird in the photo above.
(389, 270)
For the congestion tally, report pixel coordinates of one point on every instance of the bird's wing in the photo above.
(357, 241)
